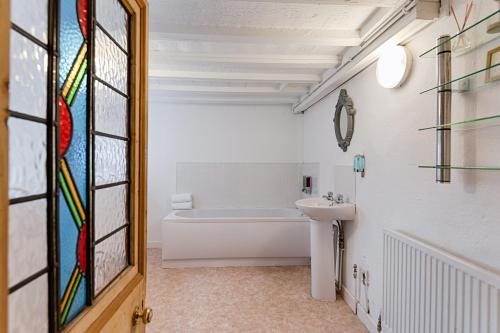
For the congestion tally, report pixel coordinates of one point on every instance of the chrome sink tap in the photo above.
(338, 199)
(329, 197)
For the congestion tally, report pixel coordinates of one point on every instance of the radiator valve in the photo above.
(364, 278)
(355, 271)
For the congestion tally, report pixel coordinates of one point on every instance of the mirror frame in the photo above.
(344, 102)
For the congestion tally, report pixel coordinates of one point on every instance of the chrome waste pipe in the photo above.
(338, 256)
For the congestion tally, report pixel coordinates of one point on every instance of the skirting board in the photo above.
(154, 245)
(235, 262)
(364, 317)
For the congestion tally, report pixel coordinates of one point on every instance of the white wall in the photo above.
(213, 133)
(462, 217)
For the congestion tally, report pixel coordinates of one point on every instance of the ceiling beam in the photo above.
(274, 60)
(230, 76)
(292, 91)
(246, 35)
(368, 3)
(224, 100)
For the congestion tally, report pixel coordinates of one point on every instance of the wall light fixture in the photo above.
(393, 66)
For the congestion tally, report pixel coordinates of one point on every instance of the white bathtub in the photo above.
(235, 237)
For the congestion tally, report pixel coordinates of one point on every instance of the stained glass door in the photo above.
(75, 231)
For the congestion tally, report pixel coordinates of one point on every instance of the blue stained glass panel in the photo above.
(77, 153)
(70, 38)
(73, 163)
(68, 236)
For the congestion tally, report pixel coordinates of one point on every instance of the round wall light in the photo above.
(393, 66)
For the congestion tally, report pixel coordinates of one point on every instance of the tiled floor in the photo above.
(242, 299)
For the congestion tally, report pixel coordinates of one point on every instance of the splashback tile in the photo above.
(240, 185)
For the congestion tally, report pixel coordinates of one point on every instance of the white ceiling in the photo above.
(252, 51)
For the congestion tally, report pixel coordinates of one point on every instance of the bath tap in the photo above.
(339, 198)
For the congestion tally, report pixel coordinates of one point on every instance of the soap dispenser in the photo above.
(359, 164)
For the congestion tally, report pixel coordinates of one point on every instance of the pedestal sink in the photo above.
(323, 213)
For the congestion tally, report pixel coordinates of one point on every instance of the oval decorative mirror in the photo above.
(344, 120)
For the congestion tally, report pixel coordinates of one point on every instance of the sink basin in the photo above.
(322, 210)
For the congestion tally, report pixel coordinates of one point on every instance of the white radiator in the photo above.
(427, 290)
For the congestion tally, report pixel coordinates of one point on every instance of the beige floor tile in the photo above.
(240, 299)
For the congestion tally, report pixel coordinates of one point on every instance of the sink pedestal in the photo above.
(322, 261)
(323, 213)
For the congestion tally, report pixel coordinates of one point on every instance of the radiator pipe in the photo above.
(356, 287)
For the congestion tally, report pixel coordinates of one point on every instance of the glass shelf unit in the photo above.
(476, 75)
(464, 123)
(480, 37)
(471, 168)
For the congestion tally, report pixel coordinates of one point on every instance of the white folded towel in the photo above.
(182, 205)
(184, 197)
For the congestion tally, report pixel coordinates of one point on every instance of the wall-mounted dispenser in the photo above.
(359, 164)
(307, 184)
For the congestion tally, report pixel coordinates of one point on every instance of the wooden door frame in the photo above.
(94, 317)
(4, 160)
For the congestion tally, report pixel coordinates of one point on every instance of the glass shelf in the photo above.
(456, 83)
(479, 168)
(463, 122)
(481, 38)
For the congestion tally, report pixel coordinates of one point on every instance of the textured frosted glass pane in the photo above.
(110, 258)
(113, 18)
(28, 76)
(110, 62)
(28, 308)
(110, 209)
(27, 158)
(110, 160)
(31, 15)
(110, 111)
(27, 239)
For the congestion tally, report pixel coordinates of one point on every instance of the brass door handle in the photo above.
(145, 315)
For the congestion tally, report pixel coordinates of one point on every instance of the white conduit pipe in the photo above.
(401, 12)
